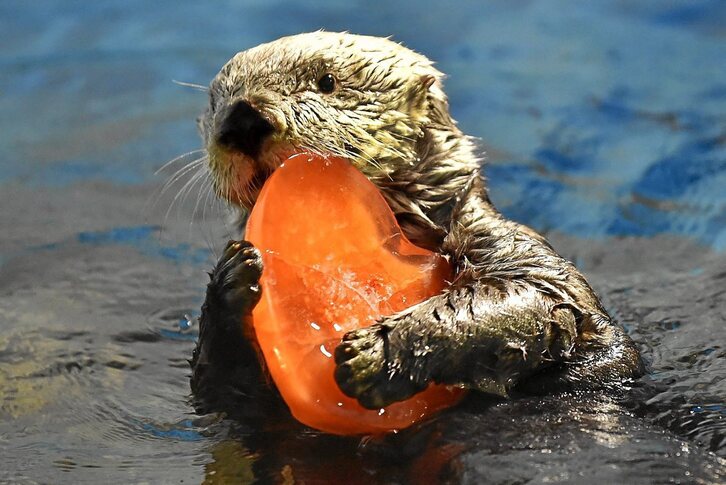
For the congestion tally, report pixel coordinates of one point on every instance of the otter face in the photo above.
(363, 98)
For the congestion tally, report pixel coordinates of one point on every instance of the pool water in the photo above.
(605, 128)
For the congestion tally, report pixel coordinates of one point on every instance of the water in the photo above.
(605, 126)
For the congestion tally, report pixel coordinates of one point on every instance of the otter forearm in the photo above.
(480, 336)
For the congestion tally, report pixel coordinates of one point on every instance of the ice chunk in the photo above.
(335, 260)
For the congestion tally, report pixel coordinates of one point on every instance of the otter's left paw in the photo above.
(367, 369)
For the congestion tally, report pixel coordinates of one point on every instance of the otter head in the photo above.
(364, 98)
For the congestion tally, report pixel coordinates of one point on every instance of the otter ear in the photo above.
(427, 80)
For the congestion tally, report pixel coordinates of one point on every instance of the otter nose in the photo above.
(243, 129)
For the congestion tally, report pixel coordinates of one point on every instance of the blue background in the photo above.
(599, 118)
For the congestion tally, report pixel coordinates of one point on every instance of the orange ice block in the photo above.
(335, 260)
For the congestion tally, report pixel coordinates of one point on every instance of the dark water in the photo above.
(605, 124)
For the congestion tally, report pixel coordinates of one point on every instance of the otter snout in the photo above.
(242, 128)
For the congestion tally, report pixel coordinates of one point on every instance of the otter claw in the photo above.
(363, 369)
(236, 277)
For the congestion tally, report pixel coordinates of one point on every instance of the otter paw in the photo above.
(236, 278)
(365, 369)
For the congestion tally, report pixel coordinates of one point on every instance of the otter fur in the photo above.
(517, 317)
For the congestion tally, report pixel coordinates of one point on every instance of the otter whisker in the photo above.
(157, 195)
(194, 181)
(205, 180)
(195, 165)
(186, 168)
(175, 159)
(207, 197)
(190, 167)
(209, 201)
(198, 87)
(203, 194)
(177, 174)
(185, 189)
(228, 185)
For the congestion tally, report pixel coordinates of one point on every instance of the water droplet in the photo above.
(185, 323)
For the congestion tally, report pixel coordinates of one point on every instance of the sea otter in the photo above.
(517, 317)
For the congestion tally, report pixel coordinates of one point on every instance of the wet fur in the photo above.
(517, 318)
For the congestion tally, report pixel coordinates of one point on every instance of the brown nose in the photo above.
(243, 129)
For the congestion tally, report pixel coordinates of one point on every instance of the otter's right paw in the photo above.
(235, 281)
(368, 370)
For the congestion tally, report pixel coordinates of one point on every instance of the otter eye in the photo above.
(326, 84)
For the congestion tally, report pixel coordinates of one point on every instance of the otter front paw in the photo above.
(223, 354)
(368, 369)
(235, 281)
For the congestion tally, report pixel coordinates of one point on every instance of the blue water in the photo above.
(604, 124)
(617, 109)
